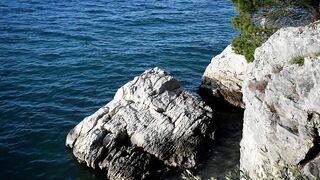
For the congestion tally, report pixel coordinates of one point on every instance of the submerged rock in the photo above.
(223, 78)
(282, 118)
(152, 120)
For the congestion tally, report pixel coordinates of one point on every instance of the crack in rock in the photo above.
(151, 123)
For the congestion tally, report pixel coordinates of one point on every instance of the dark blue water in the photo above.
(62, 60)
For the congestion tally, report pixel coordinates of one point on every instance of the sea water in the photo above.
(62, 60)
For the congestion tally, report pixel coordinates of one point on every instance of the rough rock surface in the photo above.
(282, 118)
(224, 76)
(150, 120)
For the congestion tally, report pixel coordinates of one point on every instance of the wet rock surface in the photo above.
(152, 121)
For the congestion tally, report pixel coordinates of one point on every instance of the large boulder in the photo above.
(282, 117)
(223, 78)
(152, 120)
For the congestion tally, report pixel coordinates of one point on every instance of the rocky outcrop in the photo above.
(152, 120)
(282, 118)
(222, 79)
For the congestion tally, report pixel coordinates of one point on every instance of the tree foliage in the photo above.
(244, 6)
(252, 35)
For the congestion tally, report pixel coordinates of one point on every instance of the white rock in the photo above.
(281, 120)
(150, 119)
(224, 77)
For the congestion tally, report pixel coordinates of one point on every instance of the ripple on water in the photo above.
(62, 60)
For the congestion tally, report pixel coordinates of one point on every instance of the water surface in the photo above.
(62, 60)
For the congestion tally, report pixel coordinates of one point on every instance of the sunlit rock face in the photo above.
(151, 121)
(223, 78)
(281, 120)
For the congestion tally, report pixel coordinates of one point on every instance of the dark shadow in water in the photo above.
(86, 173)
(223, 158)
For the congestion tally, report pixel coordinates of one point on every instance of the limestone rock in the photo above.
(224, 76)
(281, 122)
(152, 120)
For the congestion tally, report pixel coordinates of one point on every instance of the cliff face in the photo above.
(282, 117)
(222, 79)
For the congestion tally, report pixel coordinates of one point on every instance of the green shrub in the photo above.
(250, 5)
(245, 44)
(317, 54)
(297, 60)
(251, 35)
